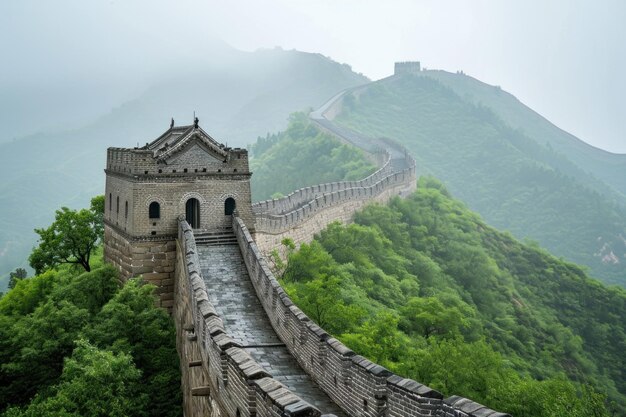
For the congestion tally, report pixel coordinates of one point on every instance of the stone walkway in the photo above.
(233, 296)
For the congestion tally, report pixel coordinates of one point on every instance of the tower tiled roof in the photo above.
(176, 138)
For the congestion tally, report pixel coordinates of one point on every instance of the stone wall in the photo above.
(219, 378)
(172, 193)
(409, 67)
(305, 195)
(358, 386)
(302, 223)
(153, 259)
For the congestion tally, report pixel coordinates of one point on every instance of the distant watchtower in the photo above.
(410, 67)
(182, 172)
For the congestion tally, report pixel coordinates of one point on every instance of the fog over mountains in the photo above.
(243, 96)
(82, 77)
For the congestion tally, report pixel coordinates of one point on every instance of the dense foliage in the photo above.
(302, 156)
(76, 344)
(424, 287)
(513, 180)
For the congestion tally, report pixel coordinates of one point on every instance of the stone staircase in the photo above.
(225, 237)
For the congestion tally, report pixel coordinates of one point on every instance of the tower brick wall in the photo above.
(182, 164)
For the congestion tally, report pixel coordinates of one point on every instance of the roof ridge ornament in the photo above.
(195, 122)
(172, 123)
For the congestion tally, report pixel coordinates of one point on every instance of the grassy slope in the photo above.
(513, 181)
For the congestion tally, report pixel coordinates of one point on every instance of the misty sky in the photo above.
(564, 58)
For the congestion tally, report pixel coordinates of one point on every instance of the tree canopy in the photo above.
(71, 238)
(79, 345)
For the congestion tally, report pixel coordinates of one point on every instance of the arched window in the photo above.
(192, 213)
(126, 210)
(229, 206)
(154, 211)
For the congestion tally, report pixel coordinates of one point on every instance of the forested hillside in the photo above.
(424, 287)
(513, 180)
(302, 156)
(606, 166)
(239, 97)
(76, 344)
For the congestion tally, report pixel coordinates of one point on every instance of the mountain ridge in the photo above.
(514, 181)
(519, 115)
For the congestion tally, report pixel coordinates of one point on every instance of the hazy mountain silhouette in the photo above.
(241, 96)
(530, 178)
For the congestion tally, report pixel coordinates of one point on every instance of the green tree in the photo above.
(379, 340)
(15, 276)
(131, 323)
(94, 383)
(429, 316)
(70, 239)
(97, 207)
(321, 300)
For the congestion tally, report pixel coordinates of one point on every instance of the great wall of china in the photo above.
(247, 351)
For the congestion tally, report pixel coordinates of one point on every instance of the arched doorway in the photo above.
(192, 213)
(229, 206)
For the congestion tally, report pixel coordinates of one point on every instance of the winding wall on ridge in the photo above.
(307, 211)
(220, 378)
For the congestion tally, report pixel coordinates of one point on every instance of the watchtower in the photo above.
(184, 172)
(407, 67)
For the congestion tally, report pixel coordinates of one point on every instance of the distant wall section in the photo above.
(337, 202)
(407, 67)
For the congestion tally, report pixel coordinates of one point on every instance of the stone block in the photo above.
(167, 296)
(156, 276)
(167, 281)
(142, 269)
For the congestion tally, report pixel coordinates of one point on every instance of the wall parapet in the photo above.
(269, 223)
(359, 386)
(235, 381)
(298, 198)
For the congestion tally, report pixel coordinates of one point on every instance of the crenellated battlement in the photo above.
(407, 67)
(171, 159)
(305, 195)
(333, 195)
